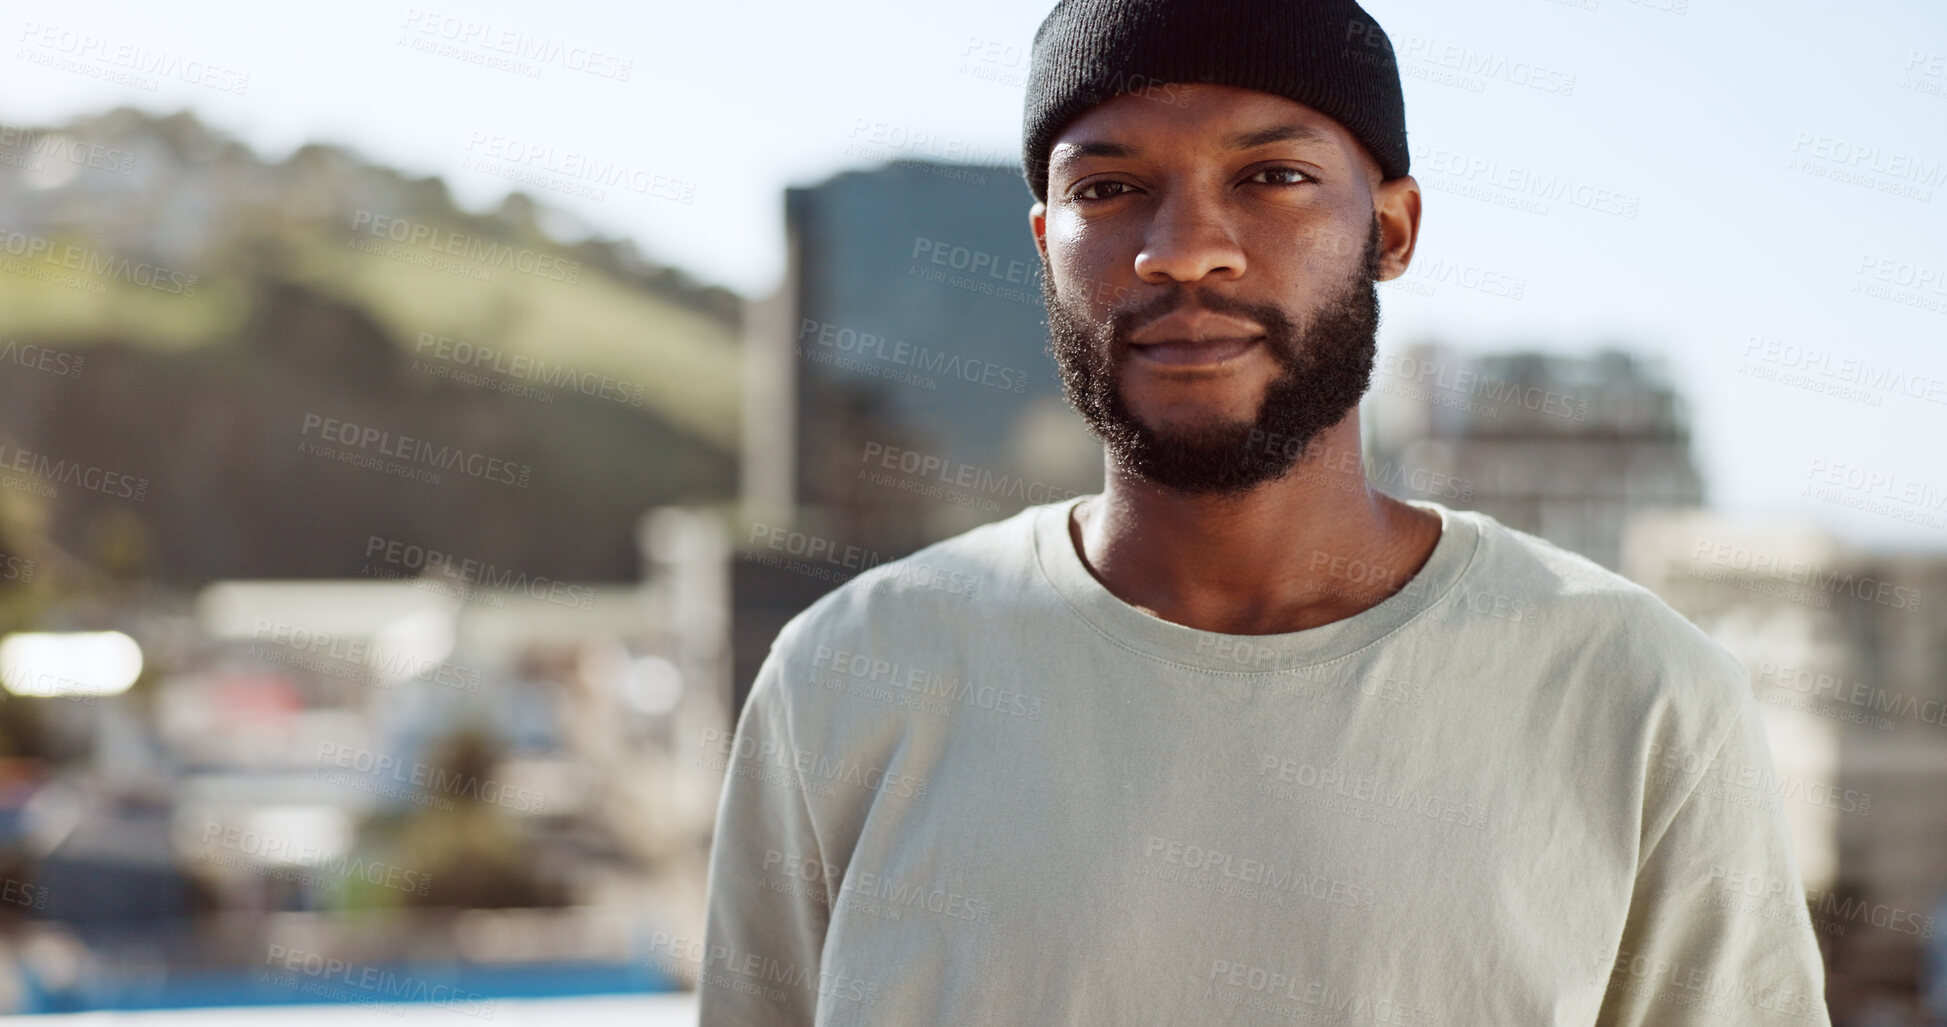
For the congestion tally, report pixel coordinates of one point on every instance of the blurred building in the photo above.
(1566, 448)
(899, 386)
(1900, 858)
(910, 320)
(457, 765)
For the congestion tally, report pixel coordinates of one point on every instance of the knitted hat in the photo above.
(1329, 55)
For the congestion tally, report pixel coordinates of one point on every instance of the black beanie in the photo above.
(1329, 55)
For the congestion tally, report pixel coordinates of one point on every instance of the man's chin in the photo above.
(1206, 433)
(1209, 461)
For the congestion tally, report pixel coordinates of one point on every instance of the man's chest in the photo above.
(1368, 862)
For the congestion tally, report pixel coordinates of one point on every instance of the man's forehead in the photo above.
(1228, 116)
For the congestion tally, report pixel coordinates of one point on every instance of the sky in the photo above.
(1754, 193)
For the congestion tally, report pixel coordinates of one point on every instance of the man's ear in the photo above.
(1396, 203)
(1038, 224)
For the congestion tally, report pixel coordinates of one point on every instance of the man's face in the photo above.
(1211, 306)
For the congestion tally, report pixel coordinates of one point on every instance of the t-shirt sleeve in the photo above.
(1717, 932)
(767, 914)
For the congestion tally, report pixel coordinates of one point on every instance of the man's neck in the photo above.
(1316, 546)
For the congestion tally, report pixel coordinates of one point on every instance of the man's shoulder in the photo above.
(949, 582)
(1576, 605)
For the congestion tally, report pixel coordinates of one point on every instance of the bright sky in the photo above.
(1786, 164)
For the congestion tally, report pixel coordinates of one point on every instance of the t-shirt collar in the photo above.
(1062, 568)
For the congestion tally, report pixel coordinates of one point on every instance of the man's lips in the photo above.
(1188, 353)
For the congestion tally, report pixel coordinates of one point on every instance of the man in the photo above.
(1241, 739)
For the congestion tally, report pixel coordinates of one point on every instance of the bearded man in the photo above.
(1242, 739)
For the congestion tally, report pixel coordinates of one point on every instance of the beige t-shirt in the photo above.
(1520, 790)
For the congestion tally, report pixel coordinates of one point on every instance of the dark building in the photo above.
(911, 338)
(900, 386)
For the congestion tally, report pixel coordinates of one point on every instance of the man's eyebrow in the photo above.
(1276, 134)
(1241, 141)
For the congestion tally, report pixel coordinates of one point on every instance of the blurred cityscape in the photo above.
(379, 581)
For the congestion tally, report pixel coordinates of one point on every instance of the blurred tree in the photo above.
(618, 389)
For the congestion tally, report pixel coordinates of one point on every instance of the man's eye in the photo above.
(1082, 193)
(1297, 176)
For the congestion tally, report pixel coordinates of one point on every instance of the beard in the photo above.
(1327, 367)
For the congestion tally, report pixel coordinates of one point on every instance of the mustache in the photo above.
(1279, 331)
(1110, 332)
